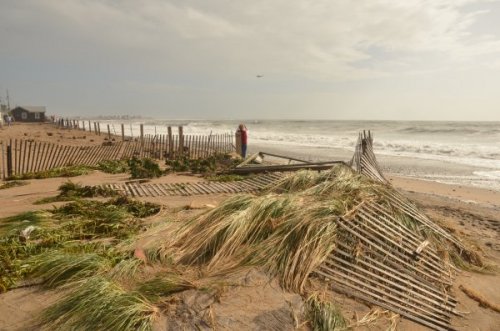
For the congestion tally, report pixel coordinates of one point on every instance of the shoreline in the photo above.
(437, 171)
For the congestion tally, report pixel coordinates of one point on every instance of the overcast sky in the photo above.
(331, 59)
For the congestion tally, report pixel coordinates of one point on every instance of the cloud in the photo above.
(320, 39)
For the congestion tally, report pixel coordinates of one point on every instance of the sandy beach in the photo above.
(471, 212)
(42, 132)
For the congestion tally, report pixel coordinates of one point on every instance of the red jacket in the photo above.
(244, 137)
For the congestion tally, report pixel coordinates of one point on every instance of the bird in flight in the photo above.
(259, 76)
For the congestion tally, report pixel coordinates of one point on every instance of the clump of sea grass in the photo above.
(21, 221)
(324, 315)
(116, 217)
(164, 285)
(113, 166)
(72, 191)
(136, 208)
(12, 183)
(239, 220)
(69, 171)
(58, 267)
(99, 303)
(283, 233)
(144, 168)
(125, 268)
(299, 245)
(73, 226)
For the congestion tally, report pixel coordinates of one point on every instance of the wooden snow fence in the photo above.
(380, 261)
(249, 185)
(364, 160)
(22, 156)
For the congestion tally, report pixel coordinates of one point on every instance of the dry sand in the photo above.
(51, 133)
(473, 213)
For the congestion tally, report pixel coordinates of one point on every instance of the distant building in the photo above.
(28, 114)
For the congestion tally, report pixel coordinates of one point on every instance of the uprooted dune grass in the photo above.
(99, 303)
(73, 226)
(73, 191)
(290, 229)
(324, 315)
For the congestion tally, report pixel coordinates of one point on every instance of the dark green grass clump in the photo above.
(22, 221)
(12, 183)
(71, 191)
(206, 165)
(144, 168)
(70, 171)
(74, 225)
(113, 166)
(116, 217)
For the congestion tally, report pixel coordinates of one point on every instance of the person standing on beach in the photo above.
(242, 129)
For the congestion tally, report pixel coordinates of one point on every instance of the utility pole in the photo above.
(8, 101)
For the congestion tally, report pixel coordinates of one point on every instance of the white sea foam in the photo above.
(488, 174)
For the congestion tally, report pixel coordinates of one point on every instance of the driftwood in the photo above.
(284, 157)
(280, 168)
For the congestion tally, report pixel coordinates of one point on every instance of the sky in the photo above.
(319, 59)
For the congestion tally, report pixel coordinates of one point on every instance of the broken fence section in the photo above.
(249, 185)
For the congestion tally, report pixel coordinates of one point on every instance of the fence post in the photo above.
(238, 142)
(123, 132)
(181, 140)
(109, 133)
(141, 127)
(9, 160)
(170, 142)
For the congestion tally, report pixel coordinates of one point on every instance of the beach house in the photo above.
(28, 114)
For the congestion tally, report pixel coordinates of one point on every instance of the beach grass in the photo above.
(98, 303)
(40, 236)
(69, 171)
(144, 168)
(164, 285)
(113, 166)
(12, 183)
(71, 191)
(323, 315)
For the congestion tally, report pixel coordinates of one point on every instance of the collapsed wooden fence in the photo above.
(22, 156)
(248, 185)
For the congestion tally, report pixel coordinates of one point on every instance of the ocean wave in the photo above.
(470, 129)
(488, 174)
(481, 151)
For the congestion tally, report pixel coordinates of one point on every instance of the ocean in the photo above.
(465, 153)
